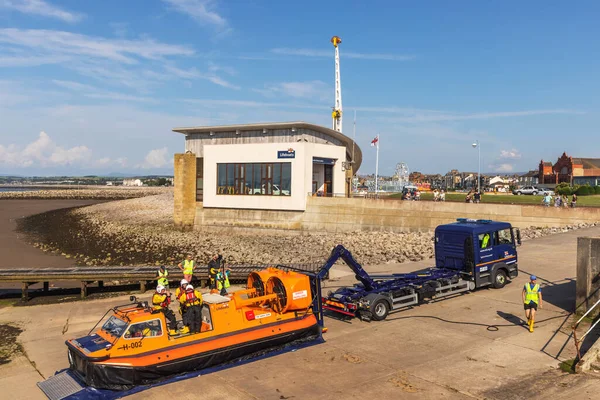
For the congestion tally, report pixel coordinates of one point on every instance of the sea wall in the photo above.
(352, 214)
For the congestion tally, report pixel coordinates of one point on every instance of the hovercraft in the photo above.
(133, 346)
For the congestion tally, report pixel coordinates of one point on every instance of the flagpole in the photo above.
(376, 164)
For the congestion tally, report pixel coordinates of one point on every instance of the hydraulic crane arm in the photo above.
(340, 251)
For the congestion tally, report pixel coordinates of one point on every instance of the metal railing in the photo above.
(576, 325)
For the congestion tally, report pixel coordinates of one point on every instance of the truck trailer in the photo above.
(469, 254)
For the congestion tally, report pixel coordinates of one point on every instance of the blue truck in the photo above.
(469, 254)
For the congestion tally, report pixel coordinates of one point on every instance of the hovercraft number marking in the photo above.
(133, 345)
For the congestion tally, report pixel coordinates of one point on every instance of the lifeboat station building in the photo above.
(269, 167)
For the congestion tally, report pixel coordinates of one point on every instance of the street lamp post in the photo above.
(478, 146)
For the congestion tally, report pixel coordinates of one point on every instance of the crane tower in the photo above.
(337, 110)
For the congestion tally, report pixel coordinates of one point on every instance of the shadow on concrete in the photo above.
(560, 294)
(512, 319)
(590, 339)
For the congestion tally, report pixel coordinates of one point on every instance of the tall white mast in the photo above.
(337, 110)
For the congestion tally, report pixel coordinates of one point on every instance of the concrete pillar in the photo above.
(588, 274)
(24, 288)
(349, 175)
(184, 211)
(83, 289)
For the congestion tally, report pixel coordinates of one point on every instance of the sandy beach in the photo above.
(16, 251)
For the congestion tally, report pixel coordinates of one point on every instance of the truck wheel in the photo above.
(380, 310)
(519, 193)
(500, 279)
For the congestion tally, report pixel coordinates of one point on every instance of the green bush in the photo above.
(597, 189)
(585, 190)
(563, 188)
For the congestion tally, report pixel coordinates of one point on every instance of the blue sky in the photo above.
(96, 86)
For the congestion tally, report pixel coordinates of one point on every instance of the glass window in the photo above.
(504, 236)
(206, 320)
(286, 179)
(257, 181)
(221, 178)
(145, 329)
(254, 178)
(277, 179)
(230, 178)
(486, 240)
(115, 326)
(248, 179)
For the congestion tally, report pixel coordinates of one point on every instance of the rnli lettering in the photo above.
(259, 316)
(299, 295)
(133, 345)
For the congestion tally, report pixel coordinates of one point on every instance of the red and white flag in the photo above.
(375, 141)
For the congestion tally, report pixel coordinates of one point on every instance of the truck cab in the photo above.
(485, 251)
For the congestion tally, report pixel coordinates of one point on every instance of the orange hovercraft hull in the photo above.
(237, 328)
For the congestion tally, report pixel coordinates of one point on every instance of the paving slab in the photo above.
(406, 356)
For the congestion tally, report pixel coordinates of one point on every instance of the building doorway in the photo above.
(328, 184)
(322, 176)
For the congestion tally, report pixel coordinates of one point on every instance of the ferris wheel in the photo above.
(402, 173)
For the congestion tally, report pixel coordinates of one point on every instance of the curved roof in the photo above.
(351, 146)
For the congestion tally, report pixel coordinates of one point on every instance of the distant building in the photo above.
(574, 171)
(269, 166)
(132, 182)
(531, 178)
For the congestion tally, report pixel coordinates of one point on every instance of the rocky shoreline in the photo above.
(140, 231)
(90, 193)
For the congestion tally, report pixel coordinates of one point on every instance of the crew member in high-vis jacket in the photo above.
(188, 267)
(532, 298)
(192, 315)
(162, 277)
(160, 302)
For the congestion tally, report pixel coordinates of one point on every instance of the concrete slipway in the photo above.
(415, 354)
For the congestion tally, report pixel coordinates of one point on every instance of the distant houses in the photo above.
(133, 182)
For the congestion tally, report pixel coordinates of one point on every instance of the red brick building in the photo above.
(570, 170)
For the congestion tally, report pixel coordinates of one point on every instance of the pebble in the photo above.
(141, 231)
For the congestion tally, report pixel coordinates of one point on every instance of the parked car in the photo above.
(545, 192)
(275, 190)
(526, 190)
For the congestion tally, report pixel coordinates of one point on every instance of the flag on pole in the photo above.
(375, 141)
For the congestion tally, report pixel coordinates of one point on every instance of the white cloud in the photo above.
(419, 116)
(45, 152)
(253, 104)
(309, 90)
(194, 73)
(504, 168)
(343, 54)
(201, 10)
(42, 8)
(156, 158)
(60, 43)
(96, 93)
(510, 154)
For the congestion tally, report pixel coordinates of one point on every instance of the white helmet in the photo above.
(184, 282)
(160, 289)
(189, 287)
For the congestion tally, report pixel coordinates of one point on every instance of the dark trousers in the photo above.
(192, 318)
(170, 316)
(213, 282)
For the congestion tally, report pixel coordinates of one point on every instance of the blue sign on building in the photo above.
(289, 153)
(324, 161)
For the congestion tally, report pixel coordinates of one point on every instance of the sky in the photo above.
(94, 87)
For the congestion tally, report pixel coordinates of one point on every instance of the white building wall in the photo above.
(301, 182)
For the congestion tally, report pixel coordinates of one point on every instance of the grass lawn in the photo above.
(582, 201)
